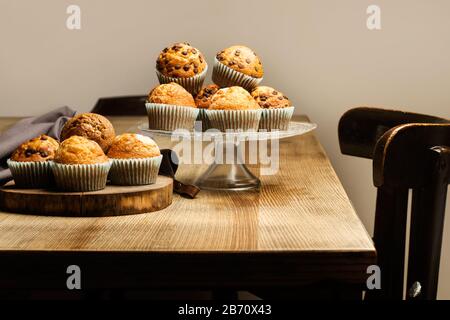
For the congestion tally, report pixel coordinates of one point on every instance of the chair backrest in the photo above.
(121, 106)
(409, 151)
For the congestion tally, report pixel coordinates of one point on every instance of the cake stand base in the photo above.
(235, 177)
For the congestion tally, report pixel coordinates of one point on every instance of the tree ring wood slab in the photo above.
(111, 201)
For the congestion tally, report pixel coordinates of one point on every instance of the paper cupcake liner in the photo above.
(170, 117)
(247, 120)
(203, 117)
(224, 76)
(135, 172)
(192, 84)
(81, 177)
(34, 174)
(276, 119)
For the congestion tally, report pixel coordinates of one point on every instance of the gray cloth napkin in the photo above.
(50, 124)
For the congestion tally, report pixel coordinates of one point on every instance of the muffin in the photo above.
(80, 165)
(183, 64)
(135, 160)
(233, 108)
(203, 100)
(233, 98)
(277, 109)
(170, 107)
(237, 66)
(92, 126)
(30, 162)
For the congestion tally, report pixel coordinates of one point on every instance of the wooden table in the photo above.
(299, 229)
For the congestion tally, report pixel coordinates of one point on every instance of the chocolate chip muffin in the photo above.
(203, 98)
(277, 109)
(183, 64)
(241, 59)
(92, 126)
(135, 160)
(268, 97)
(171, 107)
(30, 163)
(80, 165)
(237, 66)
(41, 148)
(181, 61)
(233, 108)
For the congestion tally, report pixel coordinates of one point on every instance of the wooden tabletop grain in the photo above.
(300, 227)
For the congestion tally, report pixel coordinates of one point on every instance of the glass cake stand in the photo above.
(233, 174)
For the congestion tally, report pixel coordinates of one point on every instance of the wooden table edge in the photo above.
(159, 269)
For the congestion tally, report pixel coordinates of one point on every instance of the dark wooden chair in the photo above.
(409, 151)
(121, 106)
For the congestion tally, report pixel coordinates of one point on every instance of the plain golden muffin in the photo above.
(242, 59)
(268, 97)
(203, 98)
(41, 148)
(80, 150)
(171, 93)
(180, 61)
(92, 126)
(233, 98)
(132, 145)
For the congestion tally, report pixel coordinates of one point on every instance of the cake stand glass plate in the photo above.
(233, 174)
(296, 128)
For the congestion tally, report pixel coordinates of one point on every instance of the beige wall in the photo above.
(318, 52)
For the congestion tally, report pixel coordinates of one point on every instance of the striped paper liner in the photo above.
(224, 76)
(170, 117)
(192, 84)
(247, 120)
(81, 177)
(135, 172)
(276, 118)
(31, 174)
(203, 117)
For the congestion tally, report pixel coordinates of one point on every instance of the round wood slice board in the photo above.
(111, 201)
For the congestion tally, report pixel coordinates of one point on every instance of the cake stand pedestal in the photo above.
(228, 176)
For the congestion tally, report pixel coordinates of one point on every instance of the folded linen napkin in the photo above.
(49, 123)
